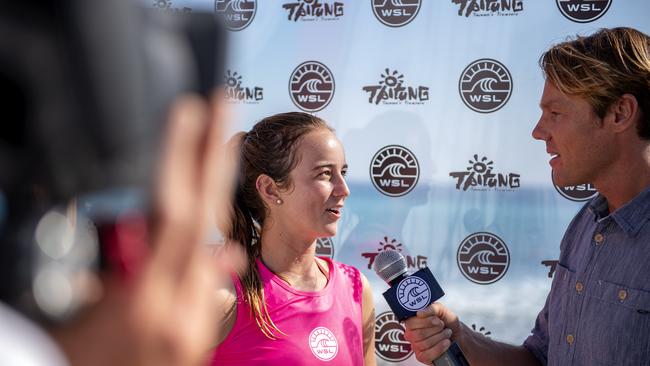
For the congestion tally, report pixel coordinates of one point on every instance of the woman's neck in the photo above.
(293, 260)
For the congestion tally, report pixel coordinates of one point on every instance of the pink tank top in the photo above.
(323, 327)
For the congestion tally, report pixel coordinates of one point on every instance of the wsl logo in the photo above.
(394, 170)
(310, 10)
(323, 344)
(390, 344)
(413, 293)
(479, 177)
(489, 8)
(579, 193)
(391, 90)
(583, 11)
(418, 261)
(483, 258)
(396, 13)
(325, 248)
(236, 93)
(485, 85)
(237, 14)
(311, 86)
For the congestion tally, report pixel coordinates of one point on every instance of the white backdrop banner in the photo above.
(434, 101)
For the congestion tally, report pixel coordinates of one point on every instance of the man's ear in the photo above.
(267, 189)
(622, 114)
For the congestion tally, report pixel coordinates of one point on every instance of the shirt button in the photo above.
(622, 294)
(598, 238)
(579, 287)
(570, 339)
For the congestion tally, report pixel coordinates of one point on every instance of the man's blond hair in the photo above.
(601, 68)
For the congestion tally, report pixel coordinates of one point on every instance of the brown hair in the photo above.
(268, 148)
(601, 68)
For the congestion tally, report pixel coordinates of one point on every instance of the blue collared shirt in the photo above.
(598, 309)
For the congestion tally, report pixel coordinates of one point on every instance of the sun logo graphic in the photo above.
(396, 13)
(485, 85)
(325, 247)
(323, 344)
(236, 93)
(390, 344)
(311, 86)
(483, 258)
(391, 90)
(394, 170)
(583, 11)
(479, 177)
(418, 261)
(237, 14)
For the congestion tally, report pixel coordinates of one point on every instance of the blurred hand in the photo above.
(431, 332)
(166, 312)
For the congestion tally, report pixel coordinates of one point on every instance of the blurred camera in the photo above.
(87, 86)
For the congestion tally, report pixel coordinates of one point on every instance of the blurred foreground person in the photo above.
(596, 125)
(122, 278)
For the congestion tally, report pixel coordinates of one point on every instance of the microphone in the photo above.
(409, 293)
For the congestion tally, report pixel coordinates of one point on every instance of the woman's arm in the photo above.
(368, 310)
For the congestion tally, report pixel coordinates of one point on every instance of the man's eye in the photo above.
(344, 173)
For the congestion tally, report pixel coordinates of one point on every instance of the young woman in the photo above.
(290, 307)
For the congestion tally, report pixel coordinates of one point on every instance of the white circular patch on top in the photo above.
(323, 344)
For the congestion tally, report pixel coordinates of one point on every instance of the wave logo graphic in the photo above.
(325, 248)
(396, 13)
(485, 85)
(579, 193)
(583, 11)
(237, 14)
(323, 344)
(390, 344)
(483, 258)
(394, 170)
(311, 86)
(413, 293)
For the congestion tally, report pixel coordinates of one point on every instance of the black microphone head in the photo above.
(389, 265)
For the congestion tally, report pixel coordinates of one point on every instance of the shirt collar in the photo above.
(630, 217)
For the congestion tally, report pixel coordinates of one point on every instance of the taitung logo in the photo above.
(390, 344)
(487, 8)
(583, 11)
(392, 90)
(237, 14)
(310, 10)
(325, 248)
(394, 170)
(323, 344)
(236, 93)
(414, 261)
(485, 85)
(311, 86)
(483, 258)
(396, 13)
(479, 177)
(579, 193)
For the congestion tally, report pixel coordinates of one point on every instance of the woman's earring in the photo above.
(278, 201)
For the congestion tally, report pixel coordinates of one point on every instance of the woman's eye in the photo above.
(326, 173)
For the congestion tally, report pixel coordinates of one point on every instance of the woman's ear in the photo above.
(268, 190)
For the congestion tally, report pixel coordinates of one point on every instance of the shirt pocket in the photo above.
(563, 281)
(616, 324)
